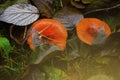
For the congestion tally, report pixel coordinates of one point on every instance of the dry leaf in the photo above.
(86, 1)
(44, 7)
(77, 4)
(69, 17)
(20, 14)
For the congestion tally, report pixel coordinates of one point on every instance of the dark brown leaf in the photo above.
(44, 7)
(66, 2)
(86, 1)
(77, 4)
(69, 17)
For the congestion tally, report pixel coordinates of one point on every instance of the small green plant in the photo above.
(5, 46)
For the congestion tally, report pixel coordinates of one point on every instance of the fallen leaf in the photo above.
(69, 17)
(6, 3)
(44, 7)
(86, 1)
(66, 2)
(77, 4)
(20, 14)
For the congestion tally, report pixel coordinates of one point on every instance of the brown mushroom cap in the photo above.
(88, 28)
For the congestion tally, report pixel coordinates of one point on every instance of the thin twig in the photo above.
(17, 40)
(25, 32)
(103, 9)
(12, 37)
(28, 32)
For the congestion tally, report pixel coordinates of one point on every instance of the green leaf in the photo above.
(5, 45)
(54, 73)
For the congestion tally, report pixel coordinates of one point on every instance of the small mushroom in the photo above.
(48, 30)
(92, 31)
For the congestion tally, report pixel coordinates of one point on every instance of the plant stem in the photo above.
(102, 9)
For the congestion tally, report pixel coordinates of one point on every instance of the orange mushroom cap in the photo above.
(52, 30)
(88, 28)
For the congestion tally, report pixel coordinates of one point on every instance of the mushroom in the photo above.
(48, 30)
(92, 31)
